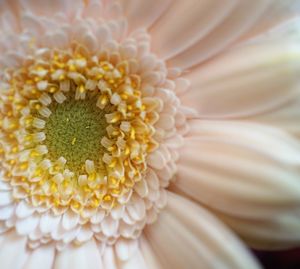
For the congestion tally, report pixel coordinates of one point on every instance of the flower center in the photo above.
(74, 131)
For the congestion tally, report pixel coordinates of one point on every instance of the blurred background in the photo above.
(289, 259)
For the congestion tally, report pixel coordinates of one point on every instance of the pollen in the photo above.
(75, 130)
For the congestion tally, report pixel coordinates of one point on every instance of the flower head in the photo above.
(112, 110)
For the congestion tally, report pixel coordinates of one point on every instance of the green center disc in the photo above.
(74, 131)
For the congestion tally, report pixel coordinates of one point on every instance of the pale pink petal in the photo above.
(246, 80)
(137, 261)
(27, 225)
(70, 220)
(186, 22)
(70, 7)
(187, 236)
(10, 246)
(86, 256)
(214, 36)
(143, 13)
(276, 233)
(9, 13)
(280, 11)
(109, 258)
(149, 255)
(285, 117)
(42, 257)
(246, 171)
(125, 248)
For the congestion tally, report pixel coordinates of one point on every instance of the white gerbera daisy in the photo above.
(128, 126)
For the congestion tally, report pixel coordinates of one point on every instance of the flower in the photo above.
(131, 131)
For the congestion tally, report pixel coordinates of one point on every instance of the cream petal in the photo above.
(216, 34)
(285, 117)
(109, 258)
(149, 255)
(93, 9)
(42, 257)
(143, 13)
(71, 235)
(186, 22)
(275, 233)
(10, 246)
(32, 24)
(258, 139)
(86, 256)
(199, 239)
(9, 16)
(70, 7)
(98, 217)
(27, 225)
(125, 248)
(136, 208)
(5, 198)
(6, 212)
(24, 210)
(237, 169)
(137, 261)
(157, 159)
(279, 12)
(141, 188)
(4, 186)
(233, 85)
(70, 219)
(49, 222)
(109, 226)
(117, 211)
(84, 234)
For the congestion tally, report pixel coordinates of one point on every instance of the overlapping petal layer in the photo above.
(246, 80)
(186, 235)
(247, 172)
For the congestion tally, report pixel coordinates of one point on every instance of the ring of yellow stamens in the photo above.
(56, 77)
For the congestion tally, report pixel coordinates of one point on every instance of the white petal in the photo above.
(53, 6)
(13, 252)
(187, 236)
(70, 219)
(141, 188)
(5, 198)
(136, 209)
(84, 234)
(233, 85)
(6, 212)
(197, 19)
(49, 222)
(285, 117)
(191, 40)
(276, 233)
(27, 225)
(42, 257)
(280, 12)
(149, 255)
(24, 210)
(137, 261)
(86, 256)
(117, 211)
(125, 248)
(98, 217)
(4, 186)
(109, 258)
(109, 226)
(143, 13)
(237, 170)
